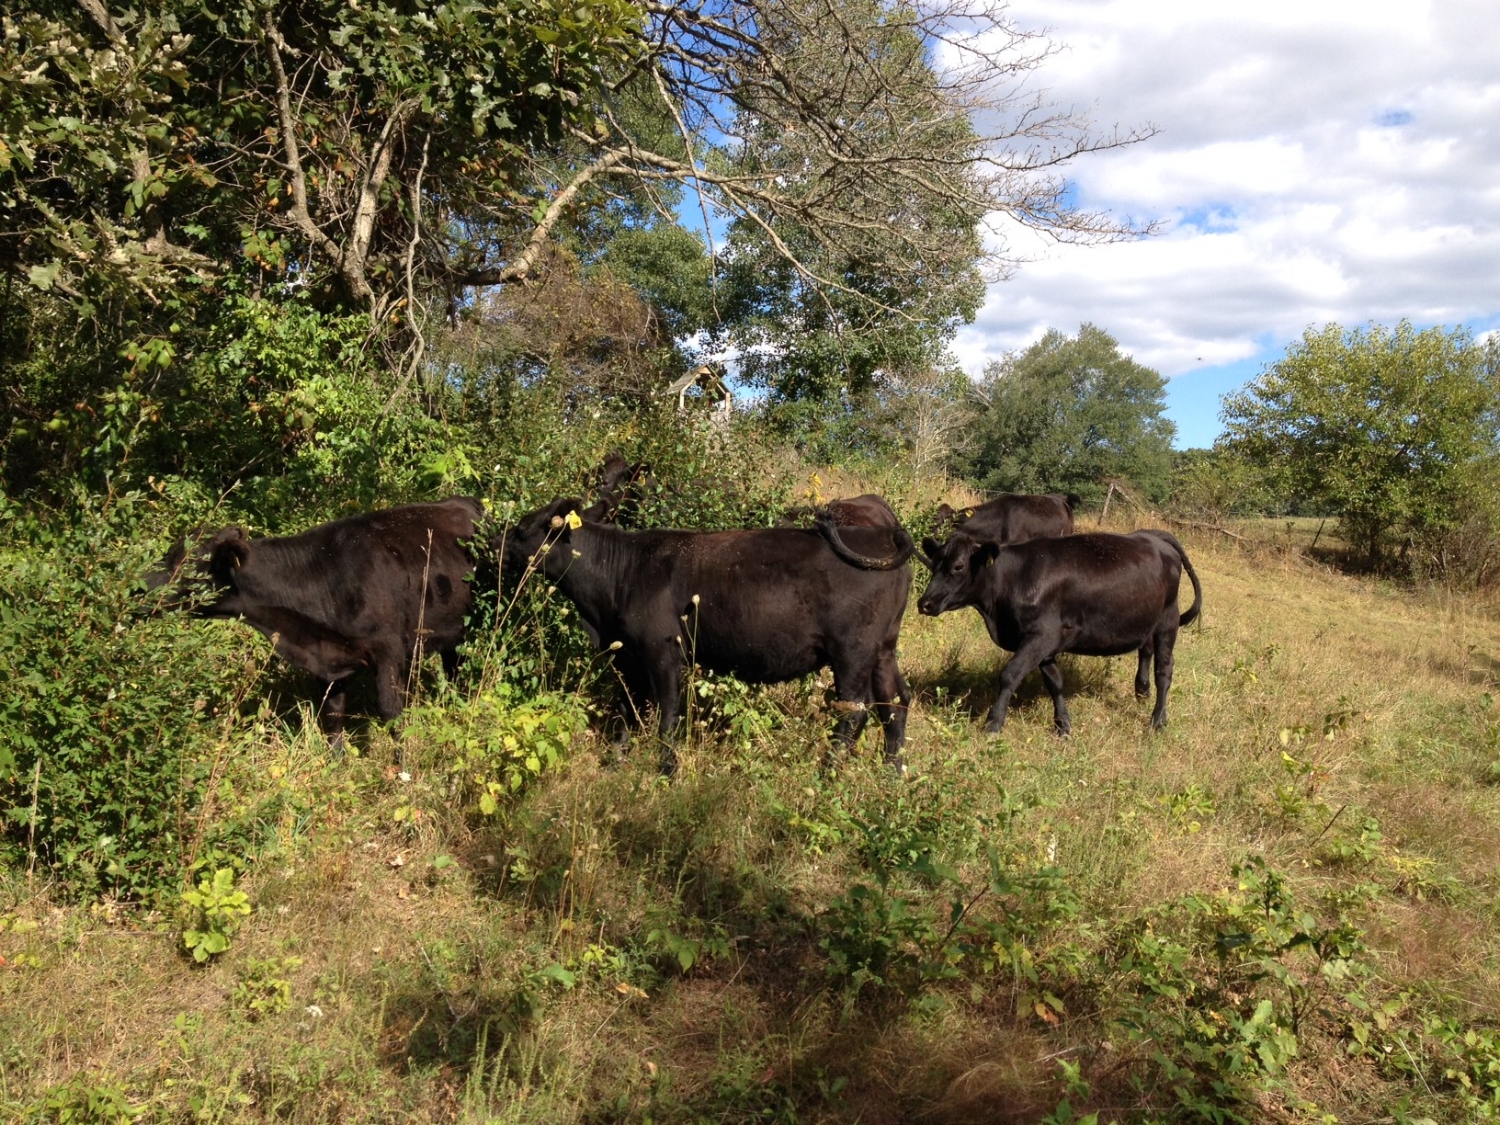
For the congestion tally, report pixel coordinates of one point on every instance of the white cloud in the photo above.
(1317, 161)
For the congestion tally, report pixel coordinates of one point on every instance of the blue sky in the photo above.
(1317, 161)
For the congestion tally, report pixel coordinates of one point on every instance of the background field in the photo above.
(1282, 908)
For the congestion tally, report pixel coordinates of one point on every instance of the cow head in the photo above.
(540, 537)
(200, 565)
(617, 489)
(949, 516)
(958, 572)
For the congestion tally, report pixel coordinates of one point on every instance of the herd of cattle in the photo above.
(766, 605)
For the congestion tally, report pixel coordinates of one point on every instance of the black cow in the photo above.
(361, 592)
(1097, 594)
(766, 605)
(1014, 517)
(868, 510)
(618, 488)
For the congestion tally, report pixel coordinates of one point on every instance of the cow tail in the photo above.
(904, 548)
(1072, 500)
(1197, 607)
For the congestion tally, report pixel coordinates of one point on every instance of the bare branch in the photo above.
(520, 267)
(292, 157)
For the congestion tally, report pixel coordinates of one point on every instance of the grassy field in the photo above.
(1286, 907)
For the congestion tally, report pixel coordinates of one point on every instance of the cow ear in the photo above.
(565, 520)
(227, 552)
(985, 554)
(932, 548)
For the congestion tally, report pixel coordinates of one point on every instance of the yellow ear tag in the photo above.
(574, 520)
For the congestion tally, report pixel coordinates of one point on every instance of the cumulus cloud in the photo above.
(1317, 161)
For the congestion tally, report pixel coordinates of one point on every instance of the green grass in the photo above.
(756, 942)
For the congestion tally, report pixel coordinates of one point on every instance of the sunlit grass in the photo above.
(620, 948)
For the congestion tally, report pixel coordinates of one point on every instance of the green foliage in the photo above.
(1064, 1113)
(682, 943)
(886, 266)
(877, 935)
(734, 709)
(668, 267)
(213, 913)
(1215, 484)
(110, 723)
(264, 987)
(84, 1100)
(1217, 988)
(133, 110)
(1066, 414)
(496, 742)
(1470, 1059)
(1387, 426)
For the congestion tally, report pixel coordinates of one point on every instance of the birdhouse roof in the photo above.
(704, 375)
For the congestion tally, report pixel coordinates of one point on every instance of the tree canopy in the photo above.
(1066, 414)
(401, 163)
(1387, 426)
(362, 146)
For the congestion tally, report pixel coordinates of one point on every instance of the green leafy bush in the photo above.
(1217, 988)
(84, 1100)
(214, 912)
(265, 987)
(110, 724)
(496, 742)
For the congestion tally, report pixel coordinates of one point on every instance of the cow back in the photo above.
(1018, 517)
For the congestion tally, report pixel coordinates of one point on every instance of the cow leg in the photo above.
(892, 705)
(449, 657)
(1166, 641)
(1029, 656)
(666, 690)
(852, 698)
(331, 715)
(1143, 670)
(632, 698)
(390, 696)
(1052, 677)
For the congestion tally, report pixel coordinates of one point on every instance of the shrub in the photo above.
(495, 743)
(109, 723)
(214, 912)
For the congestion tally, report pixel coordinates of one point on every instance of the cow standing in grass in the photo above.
(1096, 594)
(766, 606)
(370, 591)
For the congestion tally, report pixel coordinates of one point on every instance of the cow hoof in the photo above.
(1158, 722)
(993, 727)
(898, 767)
(1062, 730)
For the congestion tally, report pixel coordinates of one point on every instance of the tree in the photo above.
(1066, 414)
(147, 147)
(1214, 484)
(389, 161)
(1387, 426)
(387, 153)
